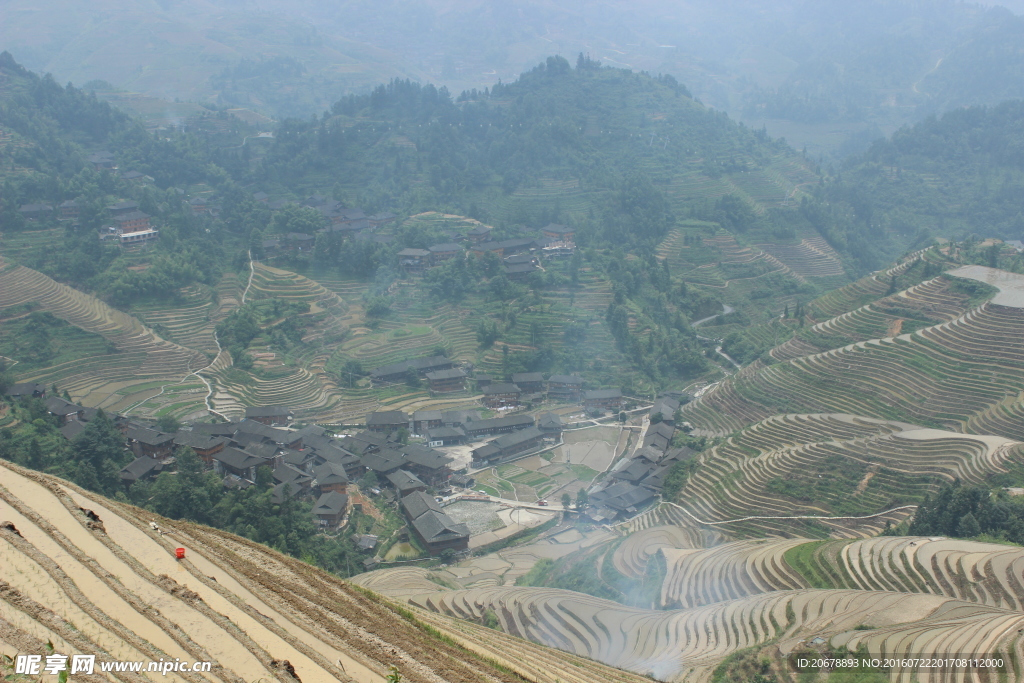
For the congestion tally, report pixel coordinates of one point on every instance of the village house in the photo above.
(440, 253)
(150, 442)
(445, 436)
(504, 395)
(432, 527)
(299, 241)
(551, 425)
(558, 232)
(198, 205)
(567, 388)
(508, 447)
(134, 239)
(664, 410)
(381, 219)
(497, 425)
(141, 468)
(121, 208)
(299, 483)
(385, 421)
(64, 411)
(413, 260)
(422, 420)
(519, 271)
(35, 212)
(331, 476)
(529, 382)
(330, 508)
(27, 390)
(479, 233)
(275, 416)
(231, 460)
(447, 381)
(399, 372)
(131, 222)
(69, 210)
(405, 482)
(602, 399)
(459, 418)
(261, 197)
(503, 248)
(102, 160)
(204, 445)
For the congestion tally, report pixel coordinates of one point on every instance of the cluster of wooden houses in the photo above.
(514, 436)
(444, 376)
(305, 463)
(532, 387)
(519, 256)
(635, 482)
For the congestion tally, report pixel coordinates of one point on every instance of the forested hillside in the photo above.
(677, 209)
(957, 175)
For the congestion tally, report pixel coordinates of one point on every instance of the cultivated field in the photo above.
(94, 577)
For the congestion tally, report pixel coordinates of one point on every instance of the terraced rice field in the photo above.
(832, 466)
(118, 593)
(143, 363)
(931, 302)
(687, 645)
(811, 257)
(963, 374)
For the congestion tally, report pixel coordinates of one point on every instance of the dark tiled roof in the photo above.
(418, 503)
(330, 473)
(444, 248)
(72, 429)
(150, 437)
(503, 388)
(515, 438)
(267, 411)
(558, 229)
(597, 394)
(494, 423)
(26, 389)
(197, 440)
(139, 468)
(565, 379)
(453, 373)
(437, 433)
(527, 377)
(437, 527)
(404, 481)
(331, 503)
(58, 406)
(239, 460)
(387, 417)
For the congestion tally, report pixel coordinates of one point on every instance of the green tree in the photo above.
(168, 424)
(968, 526)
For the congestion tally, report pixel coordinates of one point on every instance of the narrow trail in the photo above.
(204, 380)
(252, 271)
(726, 310)
(918, 81)
(745, 519)
(501, 478)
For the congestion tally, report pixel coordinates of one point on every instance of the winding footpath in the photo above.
(204, 380)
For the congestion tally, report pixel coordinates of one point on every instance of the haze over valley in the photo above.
(528, 341)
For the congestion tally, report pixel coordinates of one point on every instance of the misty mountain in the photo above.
(829, 76)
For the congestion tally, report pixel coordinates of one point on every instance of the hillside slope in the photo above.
(92, 576)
